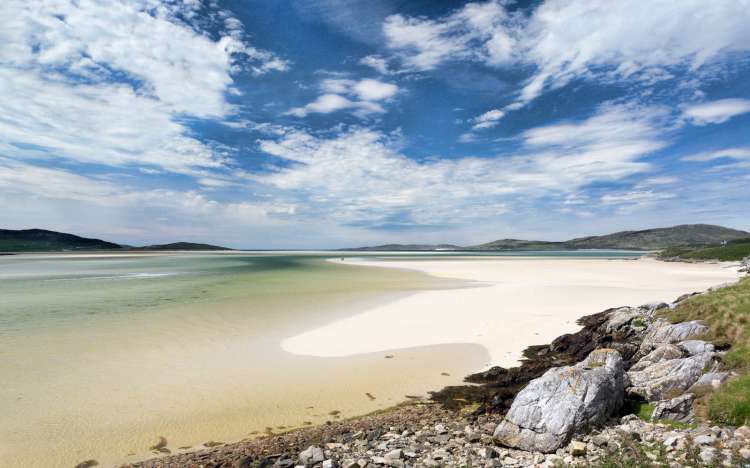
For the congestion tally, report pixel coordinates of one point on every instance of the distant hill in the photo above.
(685, 235)
(405, 248)
(660, 238)
(181, 246)
(40, 240)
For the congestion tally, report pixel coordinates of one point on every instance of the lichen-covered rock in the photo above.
(693, 347)
(662, 353)
(662, 379)
(564, 401)
(662, 332)
(677, 409)
(711, 379)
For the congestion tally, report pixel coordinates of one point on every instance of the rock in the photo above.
(599, 440)
(663, 332)
(577, 448)
(312, 455)
(712, 379)
(440, 429)
(563, 401)
(654, 382)
(487, 453)
(704, 439)
(621, 317)
(350, 464)
(87, 464)
(743, 432)
(509, 461)
(693, 347)
(329, 463)
(707, 455)
(245, 462)
(661, 353)
(472, 436)
(676, 409)
(745, 453)
(397, 454)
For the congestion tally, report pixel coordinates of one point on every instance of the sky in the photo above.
(338, 123)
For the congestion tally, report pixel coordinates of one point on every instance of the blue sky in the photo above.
(334, 123)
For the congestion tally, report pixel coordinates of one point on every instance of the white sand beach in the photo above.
(516, 302)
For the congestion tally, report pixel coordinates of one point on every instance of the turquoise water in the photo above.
(100, 355)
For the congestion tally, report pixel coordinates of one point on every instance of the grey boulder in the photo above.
(312, 455)
(661, 353)
(663, 332)
(564, 401)
(673, 376)
(677, 409)
(693, 347)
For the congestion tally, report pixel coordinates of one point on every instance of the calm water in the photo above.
(101, 355)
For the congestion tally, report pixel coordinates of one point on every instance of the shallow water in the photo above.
(101, 355)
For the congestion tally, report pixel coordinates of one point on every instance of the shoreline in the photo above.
(506, 306)
(409, 416)
(408, 412)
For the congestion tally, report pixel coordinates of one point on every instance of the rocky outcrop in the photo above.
(668, 378)
(621, 329)
(662, 332)
(565, 400)
(677, 409)
(662, 353)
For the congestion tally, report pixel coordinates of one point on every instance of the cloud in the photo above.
(488, 120)
(740, 156)
(377, 63)
(730, 153)
(359, 175)
(569, 39)
(715, 112)
(363, 97)
(113, 83)
(627, 202)
(475, 32)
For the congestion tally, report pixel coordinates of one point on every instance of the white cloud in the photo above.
(567, 39)
(373, 90)
(731, 153)
(377, 63)
(656, 181)
(488, 120)
(715, 112)
(363, 97)
(111, 82)
(740, 156)
(627, 202)
(359, 176)
(476, 32)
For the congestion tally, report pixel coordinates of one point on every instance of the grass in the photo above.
(733, 251)
(731, 403)
(727, 313)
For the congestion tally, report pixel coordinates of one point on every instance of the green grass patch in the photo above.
(731, 403)
(727, 313)
(733, 251)
(640, 408)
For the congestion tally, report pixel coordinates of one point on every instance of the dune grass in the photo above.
(733, 251)
(727, 312)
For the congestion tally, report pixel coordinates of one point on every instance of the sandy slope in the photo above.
(519, 302)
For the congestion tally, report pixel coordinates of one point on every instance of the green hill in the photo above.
(40, 240)
(181, 246)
